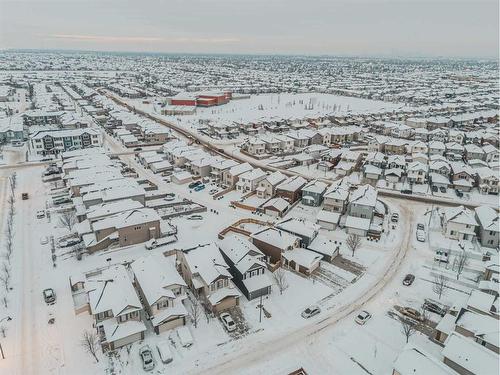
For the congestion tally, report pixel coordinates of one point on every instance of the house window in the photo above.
(452, 232)
(162, 304)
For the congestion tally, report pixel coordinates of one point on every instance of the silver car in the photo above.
(310, 311)
(148, 361)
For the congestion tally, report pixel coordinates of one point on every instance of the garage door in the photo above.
(226, 304)
(170, 325)
(127, 340)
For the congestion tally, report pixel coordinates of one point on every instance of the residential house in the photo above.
(247, 266)
(487, 179)
(459, 223)
(231, 176)
(273, 242)
(362, 202)
(473, 151)
(417, 172)
(204, 270)
(489, 226)
(436, 148)
(335, 198)
(248, 181)
(312, 193)
(303, 229)
(267, 186)
(291, 188)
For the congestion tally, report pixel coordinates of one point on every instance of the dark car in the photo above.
(442, 189)
(49, 296)
(138, 149)
(434, 189)
(409, 279)
(192, 185)
(459, 193)
(434, 307)
(24, 196)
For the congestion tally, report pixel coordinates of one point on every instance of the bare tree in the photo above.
(90, 342)
(353, 242)
(440, 285)
(407, 328)
(5, 301)
(461, 261)
(3, 331)
(67, 220)
(279, 277)
(13, 182)
(5, 276)
(195, 311)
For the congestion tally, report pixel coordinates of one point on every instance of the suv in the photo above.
(395, 217)
(310, 311)
(69, 242)
(148, 362)
(49, 296)
(363, 317)
(228, 322)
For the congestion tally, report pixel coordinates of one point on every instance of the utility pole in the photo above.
(260, 310)
(1, 350)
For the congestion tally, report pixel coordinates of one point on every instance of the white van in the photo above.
(164, 352)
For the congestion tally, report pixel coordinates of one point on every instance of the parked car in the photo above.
(24, 196)
(164, 352)
(228, 322)
(65, 242)
(185, 336)
(420, 235)
(44, 240)
(213, 191)
(49, 296)
(40, 214)
(310, 312)
(434, 307)
(434, 189)
(363, 317)
(192, 185)
(60, 201)
(195, 217)
(169, 199)
(459, 193)
(412, 314)
(409, 279)
(138, 149)
(395, 217)
(199, 187)
(151, 244)
(442, 189)
(420, 226)
(148, 361)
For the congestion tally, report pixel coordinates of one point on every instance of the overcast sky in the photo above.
(465, 28)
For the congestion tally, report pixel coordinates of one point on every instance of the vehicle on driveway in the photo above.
(435, 307)
(44, 240)
(310, 312)
(195, 217)
(442, 189)
(164, 352)
(66, 242)
(434, 189)
(420, 226)
(40, 214)
(228, 322)
(199, 187)
(420, 235)
(459, 193)
(49, 296)
(363, 317)
(148, 361)
(395, 217)
(412, 314)
(185, 336)
(409, 279)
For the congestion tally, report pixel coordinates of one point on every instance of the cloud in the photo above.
(133, 39)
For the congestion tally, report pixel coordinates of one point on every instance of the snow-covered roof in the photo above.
(298, 227)
(470, 355)
(357, 223)
(461, 215)
(413, 361)
(292, 183)
(365, 195)
(488, 218)
(207, 262)
(275, 237)
(242, 253)
(302, 257)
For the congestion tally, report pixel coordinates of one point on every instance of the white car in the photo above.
(40, 214)
(151, 244)
(148, 361)
(185, 336)
(420, 235)
(164, 352)
(310, 311)
(44, 240)
(228, 322)
(363, 317)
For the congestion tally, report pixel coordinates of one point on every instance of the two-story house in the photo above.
(312, 193)
(459, 223)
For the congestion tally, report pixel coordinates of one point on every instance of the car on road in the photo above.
(148, 361)
(310, 312)
(363, 317)
(459, 193)
(412, 314)
(199, 187)
(49, 296)
(40, 214)
(409, 279)
(24, 196)
(442, 189)
(213, 191)
(44, 240)
(138, 149)
(420, 226)
(164, 352)
(434, 189)
(395, 217)
(66, 242)
(192, 185)
(228, 322)
(420, 235)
